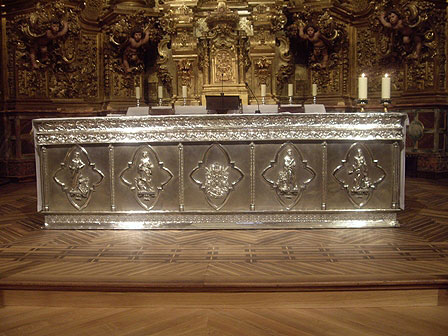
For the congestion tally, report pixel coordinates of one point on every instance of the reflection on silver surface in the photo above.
(223, 171)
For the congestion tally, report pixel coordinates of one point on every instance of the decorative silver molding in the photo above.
(146, 176)
(216, 175)
(288, 175)
(45, 179)
(396, 176)
(218, 128)
(181, 178)
(252, 176)
(324, 175)
(112, 176)
(355, 219)
(78, 177)
(359, 174)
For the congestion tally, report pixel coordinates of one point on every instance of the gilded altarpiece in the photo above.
(218, 46)
(45, 65)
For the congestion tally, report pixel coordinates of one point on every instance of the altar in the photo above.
(240, 171)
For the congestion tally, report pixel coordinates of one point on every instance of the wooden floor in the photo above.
(258, 282)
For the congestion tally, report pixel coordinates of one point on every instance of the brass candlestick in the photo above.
(362, 103)
(386, 102)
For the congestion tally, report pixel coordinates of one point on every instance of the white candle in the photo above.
(184, 91)
(263, 90)
(137, 92)
(290, 90)
(385, 87)
(314, 89)
(160, 91)
(362, 87)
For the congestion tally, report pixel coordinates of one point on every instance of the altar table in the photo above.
(221, 171)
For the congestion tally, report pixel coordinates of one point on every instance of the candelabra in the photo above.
(263, 100)
(185, 101)
(362, 103)
(386, 102)
(138, 102)
(160, 101)
(314, 99)
(290, 100)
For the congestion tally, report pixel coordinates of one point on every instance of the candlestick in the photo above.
(362, 87)
(385, 87)
(385, 103)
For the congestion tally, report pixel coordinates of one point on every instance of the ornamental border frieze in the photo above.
(164, 219)
(216, 128)
(218, 136)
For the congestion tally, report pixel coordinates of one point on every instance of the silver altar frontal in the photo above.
(221, 171)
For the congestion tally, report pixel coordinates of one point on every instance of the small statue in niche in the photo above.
(43, 44)
(319, 55)
(133, 52)
(411, 41)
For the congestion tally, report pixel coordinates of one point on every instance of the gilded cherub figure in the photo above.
(412, 42)
(133, 43)
(320, 52)
(316, 40)
(40, 47)
(132, 54)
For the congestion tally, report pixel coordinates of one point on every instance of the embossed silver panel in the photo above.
(221, 171)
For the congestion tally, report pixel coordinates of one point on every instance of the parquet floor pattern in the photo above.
(412, 321)
(417, 250)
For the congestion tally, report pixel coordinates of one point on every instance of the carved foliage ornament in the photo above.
(216, 175)
(288, 175)
(78, 177)
(359, 174)
(146, 176)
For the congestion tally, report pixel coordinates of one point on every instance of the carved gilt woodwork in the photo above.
(219, 46)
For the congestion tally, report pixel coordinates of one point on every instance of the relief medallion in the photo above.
(78, 177)
(216, 175)
(288, 174)
(146, 176)
(359, 174)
